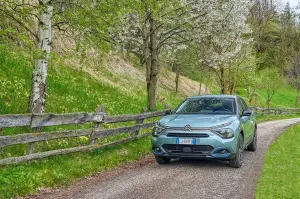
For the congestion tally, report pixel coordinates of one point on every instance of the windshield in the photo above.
(208, 105)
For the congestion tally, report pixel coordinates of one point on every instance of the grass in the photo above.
(265, 118)
(68, 90)
(27, 178)
(285, 96)
(281, 170)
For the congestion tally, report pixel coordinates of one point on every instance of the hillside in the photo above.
(112, 81)
(72, 87)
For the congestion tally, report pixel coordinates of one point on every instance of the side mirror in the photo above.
(247, 112)
(169, 112)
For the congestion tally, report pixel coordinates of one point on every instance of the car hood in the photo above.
(195, 120)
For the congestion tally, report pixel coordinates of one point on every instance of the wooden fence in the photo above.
(275, 111)
(37, 121)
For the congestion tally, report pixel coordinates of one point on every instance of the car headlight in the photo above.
(157, 130)
(224, 132)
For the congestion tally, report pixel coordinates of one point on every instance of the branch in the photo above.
(20, 23)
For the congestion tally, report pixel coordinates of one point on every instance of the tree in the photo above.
(84, 19)
(147, 28)
(293, 74)
(39, 75)
(229, 33)
(289, 48)
(270, 78)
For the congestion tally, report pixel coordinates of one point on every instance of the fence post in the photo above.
(263, 111)
(140, 121)
(166, 107)
(100, 114)
(30, 147)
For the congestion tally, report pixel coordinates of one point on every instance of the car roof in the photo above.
(213, 96)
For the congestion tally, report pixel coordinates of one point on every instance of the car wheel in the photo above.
(237, 162)
(162, 160)
(253, 145)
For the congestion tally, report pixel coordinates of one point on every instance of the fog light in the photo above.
(157, 149)
(223, 151)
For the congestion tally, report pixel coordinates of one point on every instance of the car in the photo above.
(206, 126)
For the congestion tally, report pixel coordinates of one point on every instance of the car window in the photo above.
(241, 106)
(207, 105)
(244, 103)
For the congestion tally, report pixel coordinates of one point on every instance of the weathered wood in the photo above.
(14, 120)
(35, 137)
(96, 125)
(30, 149)
(140, 121)
(109, 132)
(126, 118)
(40, 120)
(35, 156)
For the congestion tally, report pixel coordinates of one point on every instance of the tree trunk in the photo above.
(153, 67)
(230, 81)
(39, 76)
(297, 97)
(205, 88)
(222, 81)
(200, 88)
(231, 89)
(177, 79)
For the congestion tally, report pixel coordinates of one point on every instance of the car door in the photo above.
(251, 122)
(245, 120)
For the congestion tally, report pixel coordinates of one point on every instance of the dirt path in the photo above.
(179, 179)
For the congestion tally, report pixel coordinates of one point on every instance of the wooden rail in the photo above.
(275, 111)
(97, 119)
(95, 132)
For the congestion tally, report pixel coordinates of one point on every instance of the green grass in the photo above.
(68, 90)
(285, 96)
(281, 170)
(264, 118)
(22, 179)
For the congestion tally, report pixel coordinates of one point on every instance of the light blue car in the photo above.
(206, 126)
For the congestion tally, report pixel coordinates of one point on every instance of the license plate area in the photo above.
(186, 141)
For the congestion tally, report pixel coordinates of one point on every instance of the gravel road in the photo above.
(184, 178)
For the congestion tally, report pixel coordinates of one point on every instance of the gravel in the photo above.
(181, 178)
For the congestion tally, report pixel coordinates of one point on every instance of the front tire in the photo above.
(253, 145)
(237, 162)
(162, 160)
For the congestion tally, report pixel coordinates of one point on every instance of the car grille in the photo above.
(191, 149)
(194, 135)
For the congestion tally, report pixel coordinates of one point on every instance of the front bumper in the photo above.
(212, 147)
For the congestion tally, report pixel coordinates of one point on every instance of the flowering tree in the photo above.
(151, 27)
(228, 33)
(148, 28)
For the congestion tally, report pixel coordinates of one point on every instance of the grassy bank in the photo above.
(27, 178)
(281, 170)
(68, 90)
